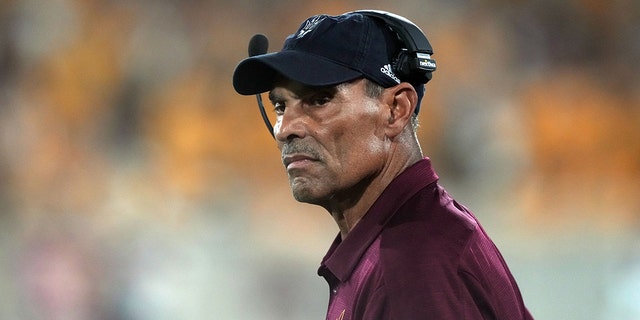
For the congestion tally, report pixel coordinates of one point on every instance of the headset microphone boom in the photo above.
(258, 45)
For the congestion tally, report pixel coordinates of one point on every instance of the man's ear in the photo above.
(401, 101)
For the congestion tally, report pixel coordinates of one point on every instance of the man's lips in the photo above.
(296, 160)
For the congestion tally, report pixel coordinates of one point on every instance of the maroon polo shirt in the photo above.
(418, 254)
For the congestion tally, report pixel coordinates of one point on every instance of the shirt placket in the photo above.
(337, 303)
(337, 299)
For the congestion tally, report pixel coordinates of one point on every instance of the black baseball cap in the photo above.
(327, 50)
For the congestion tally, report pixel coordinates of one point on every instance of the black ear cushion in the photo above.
(413, 63)
(402, 66)
(407, 68)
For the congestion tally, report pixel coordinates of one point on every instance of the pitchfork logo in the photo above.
(309, 25)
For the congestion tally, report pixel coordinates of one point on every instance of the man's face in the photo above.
(331, 138)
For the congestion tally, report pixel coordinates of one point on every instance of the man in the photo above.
(346, 120)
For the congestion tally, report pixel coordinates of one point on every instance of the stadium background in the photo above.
(136, 184)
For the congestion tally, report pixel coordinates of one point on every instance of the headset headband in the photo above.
(409, 33)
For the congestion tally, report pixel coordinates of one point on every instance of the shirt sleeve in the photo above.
(474, 283)
(488, 283)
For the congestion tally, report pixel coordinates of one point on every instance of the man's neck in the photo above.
(349, 209)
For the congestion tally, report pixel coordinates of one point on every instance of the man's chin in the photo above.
(302, 193)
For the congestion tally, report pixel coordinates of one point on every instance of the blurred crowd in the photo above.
(136, 184)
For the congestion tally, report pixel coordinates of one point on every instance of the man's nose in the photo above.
(291, 124)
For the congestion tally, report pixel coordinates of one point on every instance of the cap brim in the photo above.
(257, 74)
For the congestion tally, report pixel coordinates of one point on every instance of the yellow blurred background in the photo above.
(136, 184)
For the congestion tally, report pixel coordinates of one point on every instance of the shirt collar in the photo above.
(344, 255)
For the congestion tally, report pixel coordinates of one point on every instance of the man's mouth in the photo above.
(297, 160)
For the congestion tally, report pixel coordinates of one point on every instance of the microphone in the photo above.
(258, 45)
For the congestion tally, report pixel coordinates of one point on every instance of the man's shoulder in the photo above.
(431, 222)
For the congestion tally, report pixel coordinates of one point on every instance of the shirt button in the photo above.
(334, 290)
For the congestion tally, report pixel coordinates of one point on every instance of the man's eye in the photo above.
(278, 107)
(320, 100)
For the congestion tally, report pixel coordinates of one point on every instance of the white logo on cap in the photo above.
(386, 69)
(309, 25)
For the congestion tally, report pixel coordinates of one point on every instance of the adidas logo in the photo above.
(386, 69)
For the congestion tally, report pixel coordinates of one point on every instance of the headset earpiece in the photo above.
(413, 63)
(402, 65)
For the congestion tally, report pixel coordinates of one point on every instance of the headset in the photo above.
(413, 63)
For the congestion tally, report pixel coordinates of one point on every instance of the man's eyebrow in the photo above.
(304, 91)
(275, 96)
